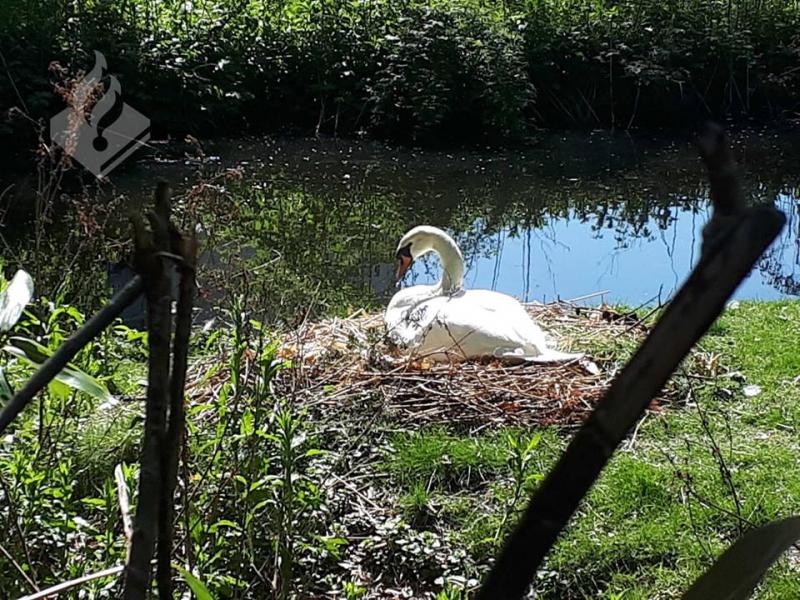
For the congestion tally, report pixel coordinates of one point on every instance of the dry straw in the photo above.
(349, 364)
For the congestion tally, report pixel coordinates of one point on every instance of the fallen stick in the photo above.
(73, 583)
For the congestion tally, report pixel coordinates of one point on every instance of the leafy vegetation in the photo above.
(279, 494)
(426, 72)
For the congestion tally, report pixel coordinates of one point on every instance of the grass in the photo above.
(359, 510)
(644, 532)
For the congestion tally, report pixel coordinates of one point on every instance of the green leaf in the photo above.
(198, 589)
(246, 425)
(737, 572)
(58, 390)
(35, 354)
(6, 393)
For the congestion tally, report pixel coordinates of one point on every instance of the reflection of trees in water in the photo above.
(784, 254)
(336, 235)
(630, 213)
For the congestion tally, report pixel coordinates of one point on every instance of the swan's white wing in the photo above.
(471, 324)
(408, 316)
(526, 340)
(468, 324)
(14, 299)
(486, 323)
(405, 299)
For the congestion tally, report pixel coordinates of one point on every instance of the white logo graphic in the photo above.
(102, 138)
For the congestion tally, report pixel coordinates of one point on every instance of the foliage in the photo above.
(444, 67)
(198, 589)
(427, 72)
(35, 354)
(322, 505)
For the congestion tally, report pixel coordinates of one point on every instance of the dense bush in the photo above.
(428, 72)
(446, 69)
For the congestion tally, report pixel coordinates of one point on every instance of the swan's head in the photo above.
(419, 241)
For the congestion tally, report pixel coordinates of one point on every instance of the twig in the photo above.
(716, 452)
(14, 516)
(586, 297)
(17, 566)
(124, 505)
(53, 365)
(73, 583)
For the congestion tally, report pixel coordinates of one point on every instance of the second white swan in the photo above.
(446, 322)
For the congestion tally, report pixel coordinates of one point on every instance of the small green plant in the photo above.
(417, 504)
(353, 591)
(521, 452)
(451, 592)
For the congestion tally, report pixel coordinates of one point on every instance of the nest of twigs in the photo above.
(349, 363)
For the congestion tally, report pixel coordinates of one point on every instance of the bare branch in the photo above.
(186, 248)
(737, 246)
(73, 583)
(151, 267)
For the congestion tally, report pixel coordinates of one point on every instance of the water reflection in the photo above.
(573, 216)
(570, 216)
(572, 256)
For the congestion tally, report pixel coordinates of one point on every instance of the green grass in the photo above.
(642, 533)
(378, 508)
(446, 461)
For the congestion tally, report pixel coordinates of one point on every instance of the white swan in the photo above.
(446, 322)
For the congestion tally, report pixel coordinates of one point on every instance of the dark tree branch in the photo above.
(727, 196)
(150, 247)
(737, 245)
(186, 249)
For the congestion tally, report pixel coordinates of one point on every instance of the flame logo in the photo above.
(85, 89)
(107, 109)
(98, 129)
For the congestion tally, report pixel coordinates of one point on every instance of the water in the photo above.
(571, 258)
(570, 216)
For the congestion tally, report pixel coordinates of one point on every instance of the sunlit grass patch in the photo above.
(445, 460)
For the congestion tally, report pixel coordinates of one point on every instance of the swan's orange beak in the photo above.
(404, 263)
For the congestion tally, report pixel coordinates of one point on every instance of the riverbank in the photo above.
(380, 508)
(430, 73)
(614, 215)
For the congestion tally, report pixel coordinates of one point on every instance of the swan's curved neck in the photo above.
(452, 264)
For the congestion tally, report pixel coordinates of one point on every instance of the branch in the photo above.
(124, 506)
(150, 264)
(53, 365)
(726, 193)
(186, 248)
(51, 592)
